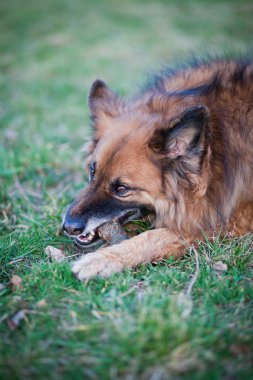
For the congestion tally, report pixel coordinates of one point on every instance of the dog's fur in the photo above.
(183, 150)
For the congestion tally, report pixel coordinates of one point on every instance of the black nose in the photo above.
(73, 226)
(72, 229)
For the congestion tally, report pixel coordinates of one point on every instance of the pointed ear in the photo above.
(184, 136)
(102, 101)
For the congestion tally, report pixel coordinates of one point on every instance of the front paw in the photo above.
(99, 263)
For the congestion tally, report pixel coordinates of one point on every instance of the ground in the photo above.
(139, 324)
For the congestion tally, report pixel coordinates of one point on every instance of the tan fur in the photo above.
(212, 193)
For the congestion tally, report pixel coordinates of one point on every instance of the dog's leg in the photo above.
(146, 247)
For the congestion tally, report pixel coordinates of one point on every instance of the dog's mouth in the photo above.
(93, 238)
(87, 239)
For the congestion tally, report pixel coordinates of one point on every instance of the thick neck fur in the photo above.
(205, 201)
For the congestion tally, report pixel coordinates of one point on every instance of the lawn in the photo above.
(139, 324)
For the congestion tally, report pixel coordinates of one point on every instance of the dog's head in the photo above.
(139, 152)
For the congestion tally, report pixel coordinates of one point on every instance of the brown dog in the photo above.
(182, 149)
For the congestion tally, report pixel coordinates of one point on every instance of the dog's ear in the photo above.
(183, 136)
(104, 106)
(102, 101)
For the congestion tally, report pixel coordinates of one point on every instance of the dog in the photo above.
(181, 150)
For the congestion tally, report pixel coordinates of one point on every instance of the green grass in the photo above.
(137, 324)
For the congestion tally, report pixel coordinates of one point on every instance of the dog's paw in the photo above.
(96, 264)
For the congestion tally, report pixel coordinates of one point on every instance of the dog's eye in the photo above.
(121, 190)
(92, 171)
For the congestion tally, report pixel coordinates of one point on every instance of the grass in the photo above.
(137, 324)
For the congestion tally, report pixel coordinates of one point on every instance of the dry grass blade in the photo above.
(184, 299)
(195, 276)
